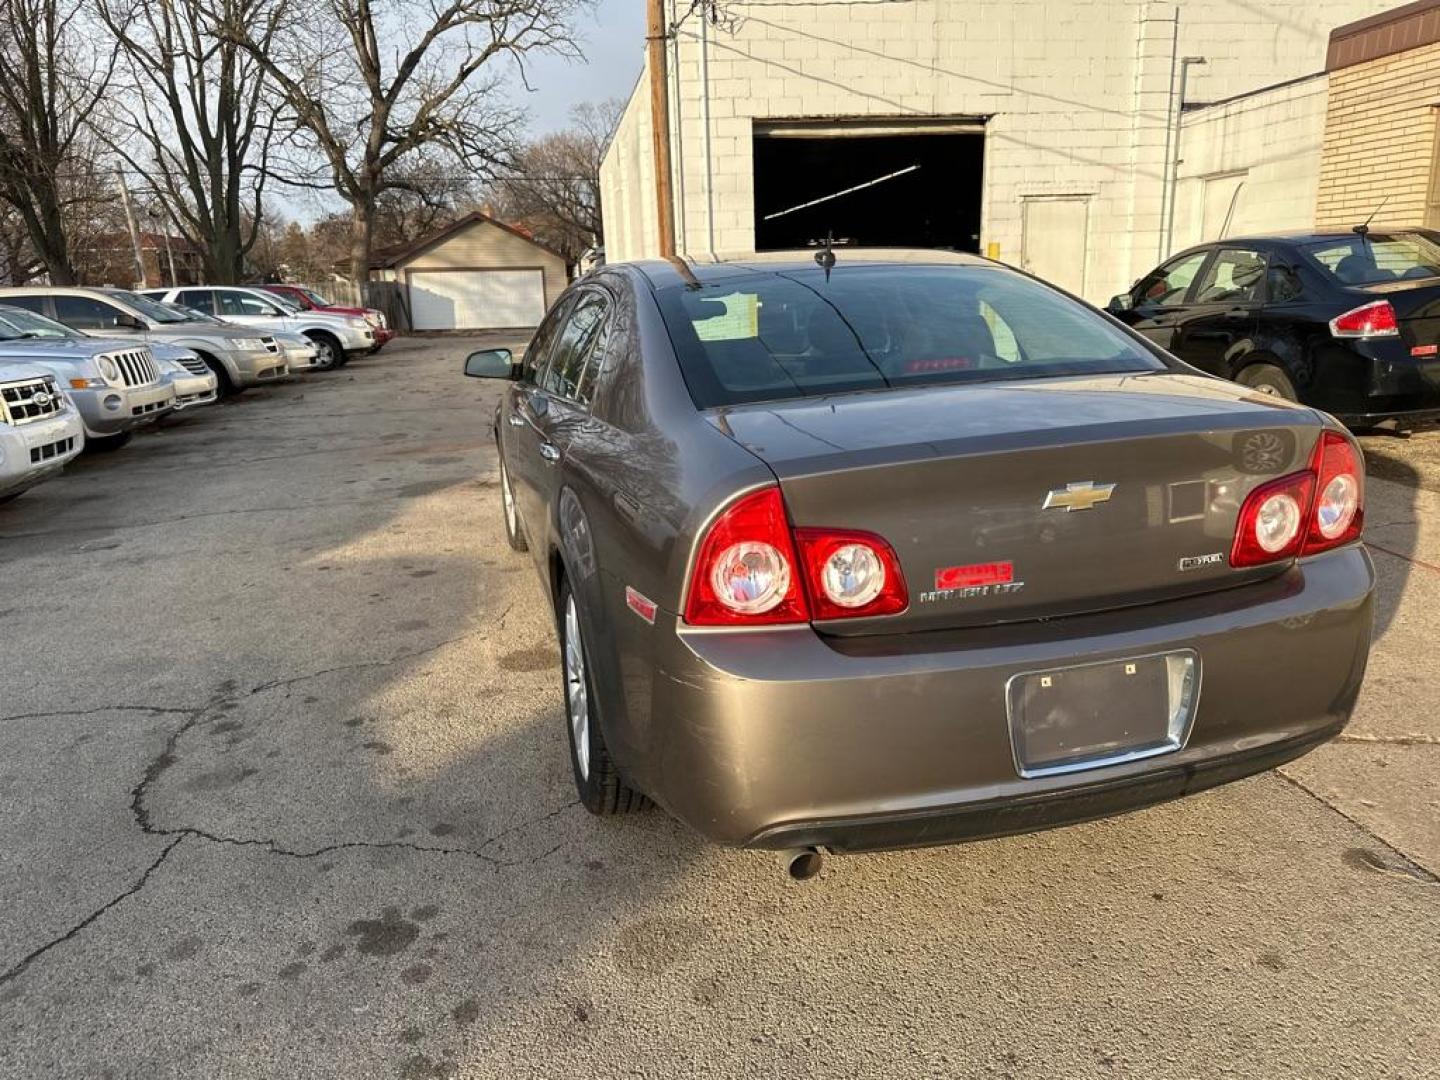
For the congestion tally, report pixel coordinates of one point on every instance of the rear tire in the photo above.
(1268, 379)
(601, 788)
(106, 444)
(513, 536)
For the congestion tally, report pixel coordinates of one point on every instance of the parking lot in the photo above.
(284, 792)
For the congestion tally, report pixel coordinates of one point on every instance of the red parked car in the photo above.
(309, 300)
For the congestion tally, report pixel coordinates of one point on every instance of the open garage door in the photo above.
(476, 299)
(894, 183)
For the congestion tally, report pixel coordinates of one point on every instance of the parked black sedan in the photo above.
(916, 548)
(1346, 321)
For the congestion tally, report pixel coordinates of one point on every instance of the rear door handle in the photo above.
(516, 420)
(550, 452)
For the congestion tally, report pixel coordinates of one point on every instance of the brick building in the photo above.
(1042, 133)
(1382, 138)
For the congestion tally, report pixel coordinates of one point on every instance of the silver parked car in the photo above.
(39, 429)
(301, 355)
(116, 385)
(194, 382)
(336, 336)
(239, 357)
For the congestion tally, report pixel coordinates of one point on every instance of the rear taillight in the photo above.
(851, 573)
(748, 573)
(1370, 321)
(1339, 513)
(1306, 512)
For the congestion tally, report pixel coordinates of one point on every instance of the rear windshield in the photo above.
(1370, 260)
(766, 336)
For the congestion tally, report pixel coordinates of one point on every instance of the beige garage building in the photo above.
(477, 274)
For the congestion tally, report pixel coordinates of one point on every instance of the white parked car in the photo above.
(335, 336)
(40, 430)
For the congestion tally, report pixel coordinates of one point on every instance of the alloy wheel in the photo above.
(577, 696)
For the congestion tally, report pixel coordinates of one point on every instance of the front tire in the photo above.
(601, 788)
(513, 536)
(330, 355)
(1268, 379)
(224, 385)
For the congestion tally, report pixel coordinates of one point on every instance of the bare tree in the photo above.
(52, 78)
(198, 123)
(373, 82)
(554, 187)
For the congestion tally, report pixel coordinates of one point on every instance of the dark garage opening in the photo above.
(934, 203)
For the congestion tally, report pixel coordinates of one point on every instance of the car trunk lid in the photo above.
(1025, 500)
(1417, 310)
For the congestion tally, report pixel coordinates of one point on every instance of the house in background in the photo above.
(1042, 134)
(477, 274)
(168, 259)
(1328, 150)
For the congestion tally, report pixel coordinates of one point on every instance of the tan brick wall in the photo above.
(1380, 139)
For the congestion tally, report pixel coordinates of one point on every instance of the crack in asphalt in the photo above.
(1420, 873)
(1389, 740)
(152, 710)
(19, 968)
(292, 680)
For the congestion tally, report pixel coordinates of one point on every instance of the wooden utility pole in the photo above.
(660, 125)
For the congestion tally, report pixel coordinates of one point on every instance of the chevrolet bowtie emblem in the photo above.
(1083, 495)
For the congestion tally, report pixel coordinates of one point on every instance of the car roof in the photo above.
(703, 269)
(1308, 236)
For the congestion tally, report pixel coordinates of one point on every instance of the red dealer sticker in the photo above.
(640, 604)
(965, 577)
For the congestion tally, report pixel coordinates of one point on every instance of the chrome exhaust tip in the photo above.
(802, 864)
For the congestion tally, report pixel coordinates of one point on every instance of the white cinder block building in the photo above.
(1041, 133)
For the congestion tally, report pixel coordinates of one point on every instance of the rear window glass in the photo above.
(1370, 260)
(793, 334)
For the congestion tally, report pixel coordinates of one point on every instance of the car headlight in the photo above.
(374, 318)
(357, 323)
(250, 344)
(108, 369)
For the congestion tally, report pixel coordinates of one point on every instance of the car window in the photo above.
(1234, 276)
(29, 303)
(565, 373)
(1374, 258)
(233, 303)
(763, 336)
(539, 349)
(1283, 284)
(1168, 284)
(85, 313)
(199, 299)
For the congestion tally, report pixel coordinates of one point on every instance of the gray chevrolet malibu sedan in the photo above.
(917, 549)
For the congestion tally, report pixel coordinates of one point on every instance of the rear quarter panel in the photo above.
(646, 472)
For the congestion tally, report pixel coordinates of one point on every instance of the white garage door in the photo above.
(476, 299)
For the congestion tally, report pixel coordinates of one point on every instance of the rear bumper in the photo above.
(782, 737)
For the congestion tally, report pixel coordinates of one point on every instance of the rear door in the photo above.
(1158, 299)
(1217, 324)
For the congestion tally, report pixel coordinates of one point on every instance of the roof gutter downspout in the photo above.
(705, 126)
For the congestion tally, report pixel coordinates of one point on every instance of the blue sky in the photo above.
(612, 37)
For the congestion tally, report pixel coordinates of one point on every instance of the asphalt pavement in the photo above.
(284, 792)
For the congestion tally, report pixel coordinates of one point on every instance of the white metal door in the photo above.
(476, 299)
(1056, 240)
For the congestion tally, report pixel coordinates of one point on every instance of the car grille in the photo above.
(136, 367)
(194, 365)
(50, 451)
(18, 404)
(149, 407)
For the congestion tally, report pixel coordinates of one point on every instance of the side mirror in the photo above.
(125, 321)
(490, 364)
(1120, 302)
